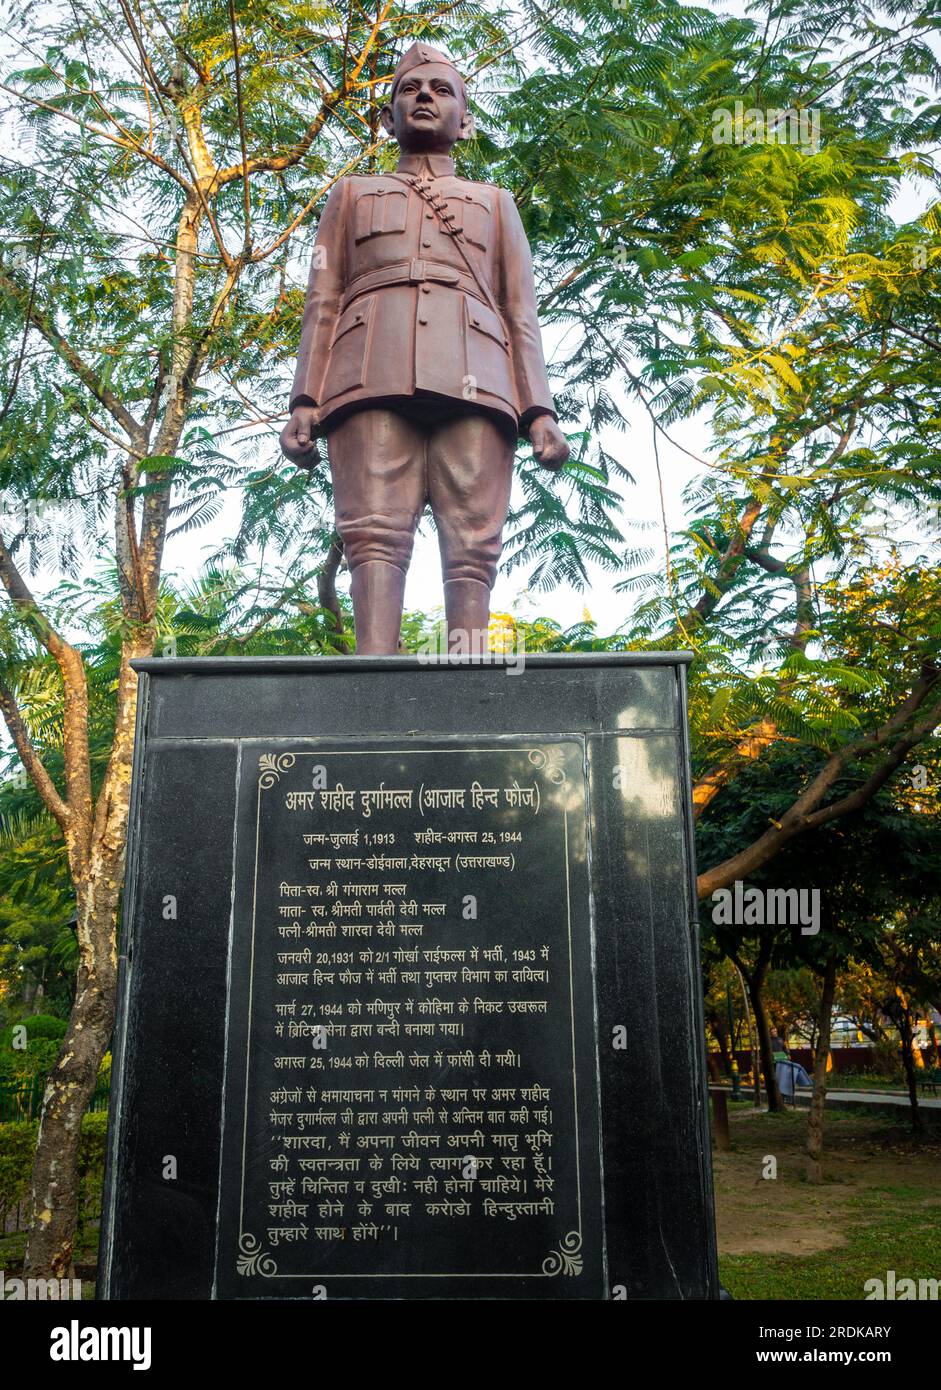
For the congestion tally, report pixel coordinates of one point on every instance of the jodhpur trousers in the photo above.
(385, 468)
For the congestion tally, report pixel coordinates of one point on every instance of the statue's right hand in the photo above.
(297, 437)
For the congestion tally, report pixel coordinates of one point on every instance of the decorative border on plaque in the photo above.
(252, 1259)
(550, 763)
(567, 1259)
(271, 765)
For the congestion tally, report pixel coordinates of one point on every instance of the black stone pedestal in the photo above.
(410, 995)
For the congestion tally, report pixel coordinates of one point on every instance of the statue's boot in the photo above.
(378, 591)
(467, 612)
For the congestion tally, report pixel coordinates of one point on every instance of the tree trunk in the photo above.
(753, 1056)
(755, 979)
(68, 1092)
(71, 1084)
(326, 586)
(818, 1100)
(906, 1039)
(755, 982)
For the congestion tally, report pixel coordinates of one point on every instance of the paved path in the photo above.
(929, 1101)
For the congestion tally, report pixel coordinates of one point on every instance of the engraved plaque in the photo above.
(411, 1090)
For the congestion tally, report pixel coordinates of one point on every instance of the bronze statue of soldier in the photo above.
(421, 361)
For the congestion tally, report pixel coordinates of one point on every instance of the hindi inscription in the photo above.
(411, 1094)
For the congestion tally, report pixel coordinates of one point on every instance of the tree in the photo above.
(877, 875)
(905, 979)
(791, 999)
(763, 282)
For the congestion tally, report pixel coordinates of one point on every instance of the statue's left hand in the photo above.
(550, 446)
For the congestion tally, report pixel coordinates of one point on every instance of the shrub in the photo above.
(17, 1142)
(44, 1036)
(44, 1026)
(17, 1145)
(887, 1059)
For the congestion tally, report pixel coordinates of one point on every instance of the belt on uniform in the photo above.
(411, 273)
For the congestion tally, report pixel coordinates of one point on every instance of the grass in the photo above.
(859, 1081)
(785, 1238)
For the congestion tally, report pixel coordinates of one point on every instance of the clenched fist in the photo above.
(297, 437)
(550, 446)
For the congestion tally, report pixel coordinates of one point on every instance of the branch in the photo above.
(732, 557)
(75, 700)
(272, 163)
(122, 444)
(330, 102)
(202, 169)
(30, 758)
(913, 333)
(133, 146)
(185, 374)
(803, 589)
(326, 583)
(806, 813)
(240, 108)
(102, 393)
(856, 800)
(755, 741)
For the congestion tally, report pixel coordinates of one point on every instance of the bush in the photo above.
(91, 1171)
(17, 1145)
(44, 1036)
(44, 1026)
(17, 1142)
(887, 1059)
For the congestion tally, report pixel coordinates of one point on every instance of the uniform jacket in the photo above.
(392, 311)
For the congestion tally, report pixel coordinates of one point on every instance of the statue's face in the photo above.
(428, 111)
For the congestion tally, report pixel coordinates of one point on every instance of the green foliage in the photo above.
(43, 1038)
(17, 1142)
(40, 1026)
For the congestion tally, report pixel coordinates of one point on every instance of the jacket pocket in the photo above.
(380, 213)
(349, 351)
(487, 353)
(471, 215)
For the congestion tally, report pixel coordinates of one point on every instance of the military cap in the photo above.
(417, 56)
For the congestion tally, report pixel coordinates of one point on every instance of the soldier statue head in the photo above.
(428, 111)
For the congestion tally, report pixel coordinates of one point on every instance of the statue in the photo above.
(421, 361)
